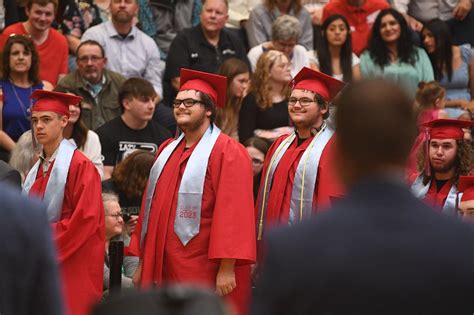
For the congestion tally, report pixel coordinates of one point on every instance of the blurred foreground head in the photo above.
(376, 127)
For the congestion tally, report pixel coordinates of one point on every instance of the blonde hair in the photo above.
(259, 84)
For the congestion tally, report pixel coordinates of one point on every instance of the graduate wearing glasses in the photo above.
(297, 178)
(197, 222)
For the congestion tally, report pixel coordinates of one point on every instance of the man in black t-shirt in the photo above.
(134, 129)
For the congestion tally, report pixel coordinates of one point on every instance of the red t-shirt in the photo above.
(360, 19)
(53, 53)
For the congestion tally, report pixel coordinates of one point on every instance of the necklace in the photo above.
(26, 110)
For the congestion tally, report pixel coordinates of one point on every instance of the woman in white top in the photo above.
(87, 141)
(334, 56)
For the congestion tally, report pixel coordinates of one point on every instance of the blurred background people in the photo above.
(392, 55)
(286, 30)
(453, 67)
(19, 78)
(128, 182)
(259, 25)
(257, 149)
(334, 56)
(114, 226)
(238, 79)
(266, 106)
(25, 154)
(87, 141)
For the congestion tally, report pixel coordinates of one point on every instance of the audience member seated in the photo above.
(453, 67)
(315, 9)
(360, 14)
(257, 149)
(259, 25)
(392, 55)
(265, 109)
(128, 181)
(239, 13)
(97, 85)
(238, 77)
(51, 45)
(170, 18)
(10, 176)
(25, 154)
(334, 56)
(19, 79)
(457, 13)
(203, 47)
(134, 129)
(286, 30)
(86, 140)
(104, 9)
(74, 18)
(114, 227)
(129, 51)
(429, 102)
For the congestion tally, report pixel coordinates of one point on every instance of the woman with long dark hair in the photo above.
(392, 55)
(334, 56)
(453, 67)
(238, 76)
(87, 141)
(19, 78)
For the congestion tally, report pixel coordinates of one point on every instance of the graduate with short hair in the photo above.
(197, 223)
(297, 177)
(69, 184)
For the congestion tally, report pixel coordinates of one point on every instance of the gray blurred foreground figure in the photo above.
(175, 300)
(29, 282)
(379, 250)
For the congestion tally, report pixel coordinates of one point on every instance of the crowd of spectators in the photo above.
(123, 57)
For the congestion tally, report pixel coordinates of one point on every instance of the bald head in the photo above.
(376, 127)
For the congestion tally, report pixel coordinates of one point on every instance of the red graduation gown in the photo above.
(436, 199)
(227, 227)
(79, 234)
(279, 199)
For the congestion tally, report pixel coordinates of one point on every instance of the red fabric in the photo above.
(227, 227)
(447, 128)
(317, 82)
(53, 53)
(79, 235)
(424, 116)
(360, 19)
(54, 101)
(279, 199)
(437, 199)
(213, 85)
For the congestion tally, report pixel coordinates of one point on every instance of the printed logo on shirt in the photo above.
(128, 147)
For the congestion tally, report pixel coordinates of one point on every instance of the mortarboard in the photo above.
(211, 84)
(466, 186)
(54, 101)
(317, 82)
(447, 128)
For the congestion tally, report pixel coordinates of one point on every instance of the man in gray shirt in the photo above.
(129, 51)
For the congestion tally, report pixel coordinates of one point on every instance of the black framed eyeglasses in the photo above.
(304, 101)
(188, 102)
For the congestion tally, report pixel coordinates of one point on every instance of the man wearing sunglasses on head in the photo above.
(297, 177)
(196, 224)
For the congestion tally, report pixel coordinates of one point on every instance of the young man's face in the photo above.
(40, 17)
(48, 126)
(443, 154)
(141, 108)
(192, 117)
(308, 114)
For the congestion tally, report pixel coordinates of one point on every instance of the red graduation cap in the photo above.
(54, 101)
(466, 186)
(447, 128)
(317, 82)
(211, 84)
